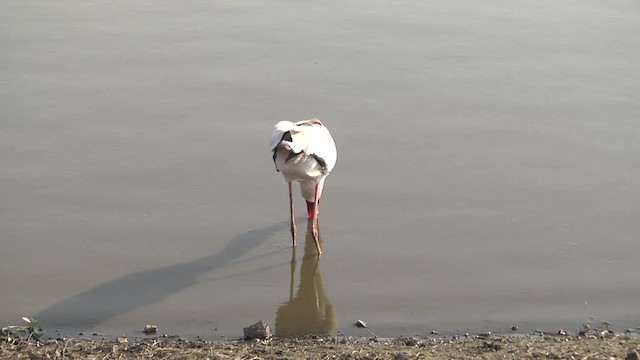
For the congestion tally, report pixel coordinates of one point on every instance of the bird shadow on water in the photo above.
(132, 291)
(309, 311)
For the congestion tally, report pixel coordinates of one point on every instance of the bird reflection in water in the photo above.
(310, 311)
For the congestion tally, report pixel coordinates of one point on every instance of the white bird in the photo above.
(305, 152)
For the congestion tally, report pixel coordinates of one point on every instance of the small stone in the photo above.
(360, 324)
(433, 332)
(122, 339)
(562, 332)
(607, 332)
(150, 329)
(410, 341)
(514, 328)
(492, 345)
(259, 330)
(633, 355)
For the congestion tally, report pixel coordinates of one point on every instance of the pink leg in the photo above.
(291, 213)
(314, 223)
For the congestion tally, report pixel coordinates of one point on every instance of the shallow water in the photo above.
(487, 175)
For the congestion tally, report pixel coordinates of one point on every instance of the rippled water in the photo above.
(488, 171)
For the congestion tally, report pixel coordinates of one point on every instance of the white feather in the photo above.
(312, 144)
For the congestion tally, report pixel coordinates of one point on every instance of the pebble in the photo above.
(633, 356)
(150, 329)
(514, 328)
(410, 341)
(360, 324)
(259, 330)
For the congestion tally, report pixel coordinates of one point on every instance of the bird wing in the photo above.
(321, 146)
(288, 136)
(278, 132)
(298, 140)
(308, 136)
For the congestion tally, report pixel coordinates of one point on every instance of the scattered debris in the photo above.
(492, 345)
(360, 324)
(31, 331)
(410, 341)
(400, 356)
(150, 329)
(607, 333)
(497, 348)
(259, 330)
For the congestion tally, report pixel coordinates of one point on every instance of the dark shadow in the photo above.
(132, 291)
(310, 311)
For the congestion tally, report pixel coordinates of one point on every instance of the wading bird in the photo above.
(305, 152)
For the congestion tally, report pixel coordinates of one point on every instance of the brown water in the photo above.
(488, 171)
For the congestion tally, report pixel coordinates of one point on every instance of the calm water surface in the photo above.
(488, 172)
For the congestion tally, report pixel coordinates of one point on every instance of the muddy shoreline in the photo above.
(604, 344)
